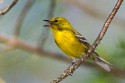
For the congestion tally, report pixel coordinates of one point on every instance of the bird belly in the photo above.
(70, 45)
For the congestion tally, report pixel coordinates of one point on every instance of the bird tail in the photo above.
(101, 62)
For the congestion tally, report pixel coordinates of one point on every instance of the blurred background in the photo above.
(45, 61)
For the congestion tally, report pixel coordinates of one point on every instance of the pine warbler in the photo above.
(72, 42)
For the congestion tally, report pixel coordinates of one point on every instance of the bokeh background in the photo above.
(25, 22)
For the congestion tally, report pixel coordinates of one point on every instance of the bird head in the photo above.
(58, 23)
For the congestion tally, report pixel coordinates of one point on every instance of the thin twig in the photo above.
(45, 32)
(8, 8)
(21, 17)
(73, 67)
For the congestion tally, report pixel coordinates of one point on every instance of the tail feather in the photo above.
(101, 62)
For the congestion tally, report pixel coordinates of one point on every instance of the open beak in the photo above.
(49, 24)
(46, 20)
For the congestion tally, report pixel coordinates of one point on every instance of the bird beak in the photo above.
(46, 20)
(48, 24)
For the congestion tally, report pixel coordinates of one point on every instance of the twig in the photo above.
(21, 17)
(45, 32)
(8, 8)
(73, 67)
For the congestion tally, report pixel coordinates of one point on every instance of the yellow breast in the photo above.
(69, 44)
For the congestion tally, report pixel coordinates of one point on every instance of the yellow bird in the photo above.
(72, 42)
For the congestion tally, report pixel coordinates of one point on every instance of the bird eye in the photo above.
(56, 20)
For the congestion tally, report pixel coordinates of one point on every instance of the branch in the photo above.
(45, 32)
(73, 67)
(8, 8)
(22, 15)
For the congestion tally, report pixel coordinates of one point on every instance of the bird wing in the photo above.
(98, 60)
(82, 39)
